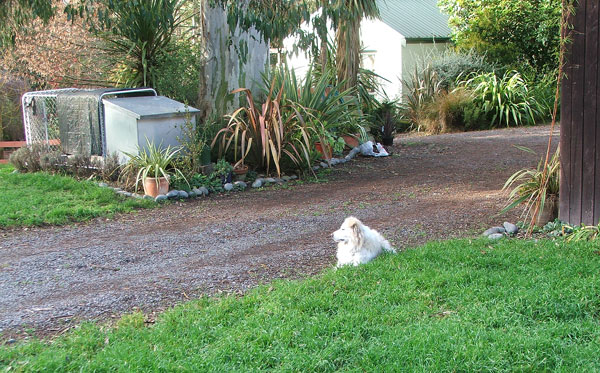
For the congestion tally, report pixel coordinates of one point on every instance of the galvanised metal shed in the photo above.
(133, 121)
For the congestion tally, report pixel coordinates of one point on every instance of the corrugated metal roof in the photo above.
(415, 19)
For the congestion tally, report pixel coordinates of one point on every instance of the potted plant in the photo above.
(528, 187)
(153, 164)
(386, 117)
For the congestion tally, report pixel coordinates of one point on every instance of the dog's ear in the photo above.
(357, 233)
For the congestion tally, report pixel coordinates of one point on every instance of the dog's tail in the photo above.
(387, 247)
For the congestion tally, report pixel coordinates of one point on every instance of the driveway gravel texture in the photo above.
(431, 187)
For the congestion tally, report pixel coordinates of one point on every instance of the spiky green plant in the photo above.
(507, 99)
(529, 184)
(152, 161)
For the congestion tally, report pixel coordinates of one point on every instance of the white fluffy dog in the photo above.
(358, 244)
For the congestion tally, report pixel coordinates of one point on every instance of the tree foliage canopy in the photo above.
(510, 32)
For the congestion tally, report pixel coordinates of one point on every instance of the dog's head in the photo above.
(350, 232)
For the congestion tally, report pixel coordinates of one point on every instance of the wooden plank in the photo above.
(12, 144)
(566, 125)
(577, 98)
(589, 113)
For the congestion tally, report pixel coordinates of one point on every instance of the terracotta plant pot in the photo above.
(154, 186)
(240, 172)
(326, 151)
(351, 141)
(549, 213)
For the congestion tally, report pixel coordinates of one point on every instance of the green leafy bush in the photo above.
(449, 111)
(420, 89)
(508, 32)
(506, 100)
(176, 73)
(452, 64)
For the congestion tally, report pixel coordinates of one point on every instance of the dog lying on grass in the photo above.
(358, 244)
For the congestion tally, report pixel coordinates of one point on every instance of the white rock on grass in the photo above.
(494, 230)
(495, 236)
(510, 228)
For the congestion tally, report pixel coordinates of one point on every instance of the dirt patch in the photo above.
(430, 188)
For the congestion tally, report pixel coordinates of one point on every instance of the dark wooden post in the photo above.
(580, 116)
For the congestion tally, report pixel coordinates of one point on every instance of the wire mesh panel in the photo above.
(40, 117)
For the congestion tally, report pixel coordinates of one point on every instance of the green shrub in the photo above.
(177, 72)
(446, 112)
(450, 65)
(27, 158)
(506, 100)
(543, 90)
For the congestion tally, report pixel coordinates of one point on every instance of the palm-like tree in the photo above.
(347, 16)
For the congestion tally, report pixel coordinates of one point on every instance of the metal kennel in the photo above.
(71, 119)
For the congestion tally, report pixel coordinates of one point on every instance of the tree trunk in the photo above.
(348, 52)
(230, 60)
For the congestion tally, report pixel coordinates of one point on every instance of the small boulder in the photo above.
(197, 191)
(241, 184)
(173, 194)
(257, 183)
(495, 236)
(286, 178)
(102, 185)
(149, 198)
(160, 198)
(510, 228)
(315, 168)
(324, 165)
(228, 187)
(203, 190)
(293, 177)
(270, 180)
(192, 194)
(183, 194)
(494, 230)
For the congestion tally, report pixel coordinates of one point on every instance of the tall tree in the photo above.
(347, 17)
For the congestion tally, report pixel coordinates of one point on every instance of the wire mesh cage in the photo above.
(71, 119)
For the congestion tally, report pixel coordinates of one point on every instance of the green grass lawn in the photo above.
(40, 199)
(449, 306)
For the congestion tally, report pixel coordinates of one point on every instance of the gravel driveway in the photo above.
(430, 188)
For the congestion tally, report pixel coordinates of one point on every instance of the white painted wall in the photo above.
(388, 55)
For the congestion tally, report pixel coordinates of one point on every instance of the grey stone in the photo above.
(510, 228)
(293, 177)
(334, 161)
(495, 236)
(149, 198)
(173, 194)
(286, 178)
(241, 184)
(203, 190)
(197, 191)
(228, 187)
(102, 185)
(353, 152)
(270, 180)
(348, 158)
(161, 197)
(324, 165)
(124, 193)
(315, 168)
(343, 160)
(494, 230)
(138, 196)
(116, 189)
(257, 183)
(192, 194)
(183, 194)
